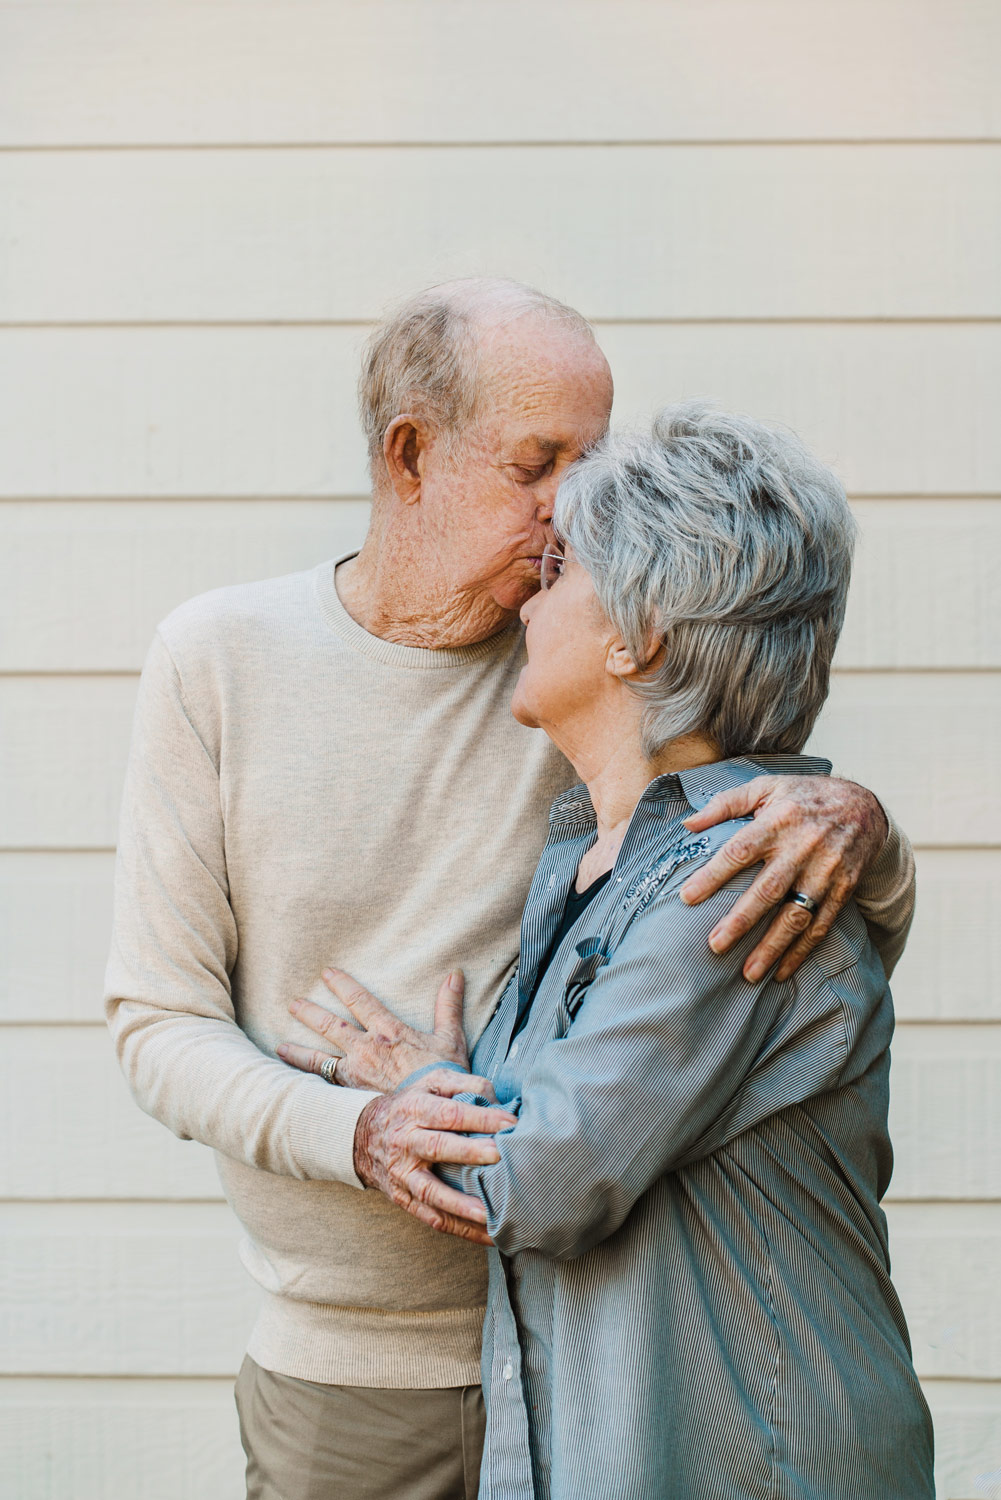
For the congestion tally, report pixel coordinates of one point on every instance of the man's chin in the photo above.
(515, 592)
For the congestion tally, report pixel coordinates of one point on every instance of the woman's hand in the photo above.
(399, 1139)
(379, 1052)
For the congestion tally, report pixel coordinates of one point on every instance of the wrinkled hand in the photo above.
(380, 1051)
(398, 1136)
(816, 834)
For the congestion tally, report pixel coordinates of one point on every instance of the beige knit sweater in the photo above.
(300, 793)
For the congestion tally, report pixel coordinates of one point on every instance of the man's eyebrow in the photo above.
(544, 444)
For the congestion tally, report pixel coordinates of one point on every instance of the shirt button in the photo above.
(514, 1050)
(508, 1370)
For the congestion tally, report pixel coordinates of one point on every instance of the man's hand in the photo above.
(816, 834)
(398, 1135)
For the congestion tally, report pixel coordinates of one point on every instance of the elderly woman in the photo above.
(690, 1291)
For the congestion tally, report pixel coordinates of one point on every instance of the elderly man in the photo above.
(324, 769)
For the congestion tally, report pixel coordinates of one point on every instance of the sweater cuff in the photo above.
(322, 1131)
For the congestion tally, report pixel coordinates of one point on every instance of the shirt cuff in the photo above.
(322, 1131)
(428, 1068)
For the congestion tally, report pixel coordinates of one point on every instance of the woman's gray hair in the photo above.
(422, 358)
(729, 542)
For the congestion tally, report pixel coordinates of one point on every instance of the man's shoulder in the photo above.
(240, 616)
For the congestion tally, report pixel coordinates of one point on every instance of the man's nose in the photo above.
(545, 499)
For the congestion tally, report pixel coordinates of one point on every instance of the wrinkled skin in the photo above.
(400, 1136)
(816, 834)
(380, 1051)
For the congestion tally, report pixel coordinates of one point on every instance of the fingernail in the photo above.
(755, 971)
(685, 893)
(294, 1005)
(455, 982)
(716, 941)
(329, 973)
(282, 1050)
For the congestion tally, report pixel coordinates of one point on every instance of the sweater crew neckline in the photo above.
(391, 653)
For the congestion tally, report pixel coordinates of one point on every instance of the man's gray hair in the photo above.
(729, 542)
(422, 358)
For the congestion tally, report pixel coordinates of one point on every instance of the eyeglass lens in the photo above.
(552, 566)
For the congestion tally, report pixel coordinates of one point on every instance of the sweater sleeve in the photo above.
(885, 896)
(169, 1000)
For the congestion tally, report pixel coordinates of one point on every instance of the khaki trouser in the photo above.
(346, 1442)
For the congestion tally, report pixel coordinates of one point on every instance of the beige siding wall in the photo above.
(794, 209)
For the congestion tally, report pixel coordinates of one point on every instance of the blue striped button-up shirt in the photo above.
(690, 1294)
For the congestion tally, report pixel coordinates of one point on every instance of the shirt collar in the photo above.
(572, 812)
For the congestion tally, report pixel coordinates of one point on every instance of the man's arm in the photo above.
(825, 837)
(169, 1002)
(885, 896)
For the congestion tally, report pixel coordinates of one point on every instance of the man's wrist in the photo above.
(881, 817)
(874, 818)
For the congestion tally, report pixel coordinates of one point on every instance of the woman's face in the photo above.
(568, 638)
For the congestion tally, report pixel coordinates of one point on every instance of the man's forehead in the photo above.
(554, 406)
(535, 355)
(543, 390)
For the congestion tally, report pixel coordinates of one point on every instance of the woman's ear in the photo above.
(618, 660)
(620, 663)
(403, 448)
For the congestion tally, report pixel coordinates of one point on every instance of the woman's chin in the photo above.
(521, 711)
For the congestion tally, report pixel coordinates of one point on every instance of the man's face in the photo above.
(545, 396)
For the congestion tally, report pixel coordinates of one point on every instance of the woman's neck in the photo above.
(617, 779)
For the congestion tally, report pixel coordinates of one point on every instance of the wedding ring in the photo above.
(328, 1069)
(799, 898)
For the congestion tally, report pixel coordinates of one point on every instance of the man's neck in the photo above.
(387, 592)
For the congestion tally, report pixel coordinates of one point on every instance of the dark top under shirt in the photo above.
(576, 903)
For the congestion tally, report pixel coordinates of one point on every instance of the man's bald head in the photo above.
(425, 358)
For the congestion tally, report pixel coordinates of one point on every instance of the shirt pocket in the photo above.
(592, 955)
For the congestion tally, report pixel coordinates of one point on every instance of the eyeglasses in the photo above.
(553, 563)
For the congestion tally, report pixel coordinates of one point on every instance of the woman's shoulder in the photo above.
(652, 898)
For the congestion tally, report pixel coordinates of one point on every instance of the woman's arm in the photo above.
(672, 1053)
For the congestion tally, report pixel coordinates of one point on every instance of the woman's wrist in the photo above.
(428, 1067)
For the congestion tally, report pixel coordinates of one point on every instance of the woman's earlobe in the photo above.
(619, 662)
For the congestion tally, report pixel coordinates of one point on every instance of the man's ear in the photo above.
(403, 449)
